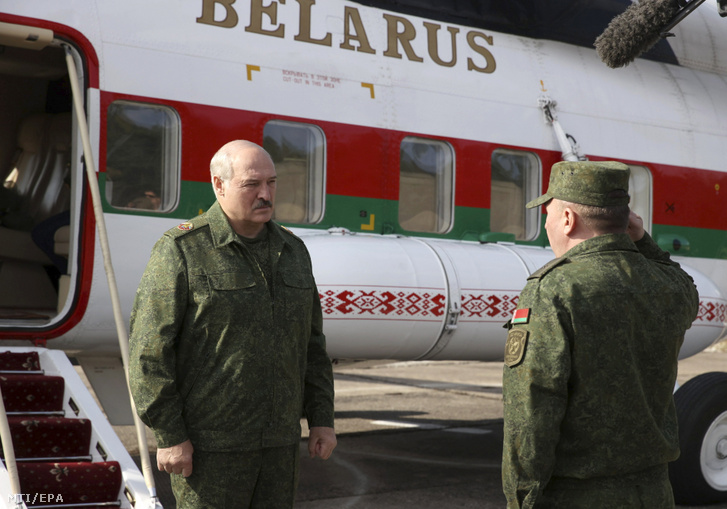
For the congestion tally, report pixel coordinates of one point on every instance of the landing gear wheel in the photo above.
(699, 476)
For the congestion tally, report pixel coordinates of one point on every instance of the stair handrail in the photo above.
(10, 464)
(110, 274)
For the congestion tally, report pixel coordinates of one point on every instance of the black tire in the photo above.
(699, 476)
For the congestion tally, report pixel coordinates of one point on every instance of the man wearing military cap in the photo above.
(591, 354)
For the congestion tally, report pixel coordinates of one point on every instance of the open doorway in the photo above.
(37, 186)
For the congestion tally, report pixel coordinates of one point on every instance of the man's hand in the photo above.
(321, 442)
(176, 459)
(636, 227)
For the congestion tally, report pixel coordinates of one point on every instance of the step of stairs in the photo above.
(49, 437)
(31, 393)
(83, 482)
(67, 454)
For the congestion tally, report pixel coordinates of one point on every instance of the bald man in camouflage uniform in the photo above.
(591, 354)
(227, 348)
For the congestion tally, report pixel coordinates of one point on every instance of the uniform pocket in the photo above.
(298, 290)
(231, 281)
(298, 280)
(199, 288)
(232, 294)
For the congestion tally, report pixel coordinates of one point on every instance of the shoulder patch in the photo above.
(184, 228)
(517, 340)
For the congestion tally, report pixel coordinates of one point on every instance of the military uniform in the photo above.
(222, 355)
(590, 367)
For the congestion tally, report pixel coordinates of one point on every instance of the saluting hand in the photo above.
(176, 459)
(321, 442)
(636, 227)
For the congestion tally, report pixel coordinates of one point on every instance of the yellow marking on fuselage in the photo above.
(251, 68)
(370, 86)
(370, 225)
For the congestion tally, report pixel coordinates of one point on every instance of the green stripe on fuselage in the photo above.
(356, 214)
(694, 242)
(470, 223)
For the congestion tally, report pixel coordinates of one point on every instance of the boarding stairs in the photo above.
(67, 453)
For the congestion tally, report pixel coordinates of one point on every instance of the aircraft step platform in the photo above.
(67, 453)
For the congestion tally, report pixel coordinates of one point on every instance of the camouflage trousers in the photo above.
(646, 490)
(266, 478)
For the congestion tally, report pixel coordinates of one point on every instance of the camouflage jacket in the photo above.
(590, 366)
(216, 357)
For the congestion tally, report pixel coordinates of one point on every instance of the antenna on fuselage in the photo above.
(568, 145)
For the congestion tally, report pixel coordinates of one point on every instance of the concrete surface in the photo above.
(415, 434)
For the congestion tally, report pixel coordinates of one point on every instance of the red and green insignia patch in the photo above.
(521, 316)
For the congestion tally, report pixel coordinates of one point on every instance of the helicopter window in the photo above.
(640, 191)
(514, 182)
(142, 157)
(299, 153)
(426, 185)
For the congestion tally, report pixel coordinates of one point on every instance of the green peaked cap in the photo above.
(598, 183)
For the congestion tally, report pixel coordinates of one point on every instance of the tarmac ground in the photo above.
(414, 435)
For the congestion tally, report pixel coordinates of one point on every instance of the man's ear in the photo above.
(570, 220)
(218, 185)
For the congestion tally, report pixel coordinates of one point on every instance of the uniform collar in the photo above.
(223, 234)
(607, 242)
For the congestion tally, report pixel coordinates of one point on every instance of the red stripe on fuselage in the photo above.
(364, 161)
